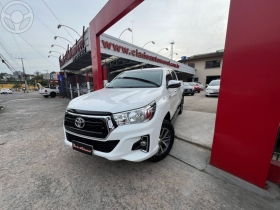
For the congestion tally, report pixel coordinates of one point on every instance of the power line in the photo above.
(57, 19)
(5, 46)
(50, 30)
(36, 50)
(7, 63)
(8, 52)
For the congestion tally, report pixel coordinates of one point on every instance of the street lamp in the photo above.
(53, 56)
(162, 49)
(58, 46)
(59, 26)
(55, 51)
(129, 29)
(62, 38)
(149, 42)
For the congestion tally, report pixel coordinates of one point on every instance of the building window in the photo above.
(213, 64)
(191, 64)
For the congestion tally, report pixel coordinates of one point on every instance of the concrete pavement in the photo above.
(37, 171)
(196, 127)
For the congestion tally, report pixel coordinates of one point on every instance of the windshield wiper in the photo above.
(142, 80)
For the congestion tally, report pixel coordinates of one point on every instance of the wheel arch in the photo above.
(167, 116)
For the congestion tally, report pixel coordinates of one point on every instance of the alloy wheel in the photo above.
(164, 140)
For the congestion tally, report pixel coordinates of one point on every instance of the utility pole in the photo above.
(172, 43)
(26, 85)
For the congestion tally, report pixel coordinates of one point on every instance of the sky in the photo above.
(196, 27)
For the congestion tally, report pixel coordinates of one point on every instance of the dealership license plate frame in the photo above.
(82, 147)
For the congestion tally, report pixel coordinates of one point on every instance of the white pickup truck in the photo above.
(51, 91)
(131, 119)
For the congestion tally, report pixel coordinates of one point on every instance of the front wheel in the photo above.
(166, 140)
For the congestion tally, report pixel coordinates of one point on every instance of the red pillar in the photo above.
(111, 13)
(248, 112)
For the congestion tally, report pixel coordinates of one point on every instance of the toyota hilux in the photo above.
(130, 119)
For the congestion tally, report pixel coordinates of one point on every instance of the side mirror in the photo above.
(173, 84)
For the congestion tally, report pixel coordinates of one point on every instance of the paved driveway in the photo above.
(37, 171)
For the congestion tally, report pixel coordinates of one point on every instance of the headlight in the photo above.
(136, 116)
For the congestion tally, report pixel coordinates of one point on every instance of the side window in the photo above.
(174, 77)
(168, 77)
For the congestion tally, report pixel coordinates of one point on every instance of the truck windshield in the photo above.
(138, 79)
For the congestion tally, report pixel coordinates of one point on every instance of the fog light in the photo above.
(143, 144)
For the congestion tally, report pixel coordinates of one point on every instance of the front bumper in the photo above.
(212, 92)
(127, 136)
(188, 91)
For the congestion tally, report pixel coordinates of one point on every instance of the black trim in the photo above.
(137, 146)
(101, 146)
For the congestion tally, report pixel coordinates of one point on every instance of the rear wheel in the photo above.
(166, 140)
(46, 96)
(53, 94)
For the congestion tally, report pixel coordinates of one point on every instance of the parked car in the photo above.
(195, 86)
(200, 85)
(130, 119)
(213, 88)
(188, 89)
(6, 91)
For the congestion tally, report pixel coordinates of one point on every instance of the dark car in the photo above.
(196, 87)
(188, 89)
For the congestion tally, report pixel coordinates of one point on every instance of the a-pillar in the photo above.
(248, 112)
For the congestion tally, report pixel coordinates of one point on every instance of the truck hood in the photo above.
(115, 100)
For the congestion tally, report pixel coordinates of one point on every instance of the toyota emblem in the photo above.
(80, 122)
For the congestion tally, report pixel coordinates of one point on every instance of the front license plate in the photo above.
(81, 147)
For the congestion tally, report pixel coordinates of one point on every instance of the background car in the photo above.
(6, 91)
(195, 86)
(188, 89)
(200, 85)
(213, 88)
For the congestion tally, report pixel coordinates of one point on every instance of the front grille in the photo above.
(102, 146)
(94, 127)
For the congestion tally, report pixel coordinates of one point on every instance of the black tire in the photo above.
(166, 125)
(181, 106)
(46, 96)
(192, 94)
(198, 91)
(206, 95)
(53, 94)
